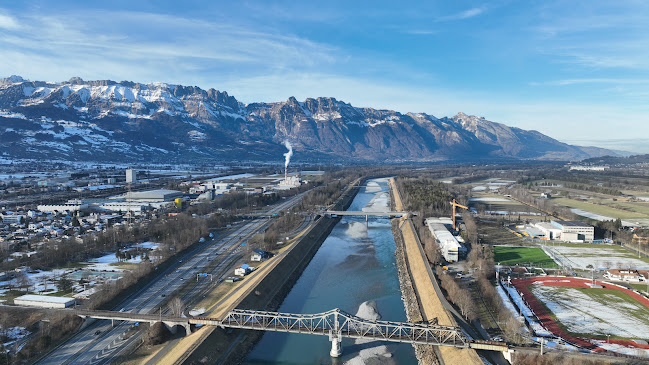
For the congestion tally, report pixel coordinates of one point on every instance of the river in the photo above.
(353, 270)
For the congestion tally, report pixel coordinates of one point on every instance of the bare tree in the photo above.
(23, 280)
(176, 306)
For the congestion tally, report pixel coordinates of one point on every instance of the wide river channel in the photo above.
(354, 270)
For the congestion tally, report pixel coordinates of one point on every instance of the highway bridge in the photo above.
(334, 213)
(335, 324)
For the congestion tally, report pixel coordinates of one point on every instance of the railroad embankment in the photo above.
(417, 274)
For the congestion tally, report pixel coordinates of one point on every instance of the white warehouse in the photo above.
(452, 250)
(44, 301)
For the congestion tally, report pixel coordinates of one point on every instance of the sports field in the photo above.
(587, 312)
(512, 255)
(595, 317)
(600, 256)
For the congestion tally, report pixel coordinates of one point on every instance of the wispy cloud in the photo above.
(465, 14)
(596, 35)
(634, 145)
(169, 44)
(420, 31)
(8, 22)
(567, 82)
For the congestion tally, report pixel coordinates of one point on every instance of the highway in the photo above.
(99, 343)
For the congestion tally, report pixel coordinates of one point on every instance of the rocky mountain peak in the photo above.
(124, 121)
(13, 79)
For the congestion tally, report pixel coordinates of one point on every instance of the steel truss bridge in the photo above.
(335, 324)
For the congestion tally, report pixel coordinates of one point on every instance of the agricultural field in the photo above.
(500, 205)
(609, 208)
(511, 255)
(595, 312)
(600, 256)
(494, 234)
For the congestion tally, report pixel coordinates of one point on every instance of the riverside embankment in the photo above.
(417, 277)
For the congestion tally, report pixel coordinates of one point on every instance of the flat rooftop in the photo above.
(154, 194)
(573, 224)
(44, 299)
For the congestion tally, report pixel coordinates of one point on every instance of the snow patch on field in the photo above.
(622, 349)
(600, 256)
(13, 334)
(488, 199)
(598, 217)
(529, 315)
(602, 315)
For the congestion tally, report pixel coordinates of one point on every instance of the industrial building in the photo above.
(588, 168)
(452, 250)
(131, 176)
(550, 231)
(575, 231)
(70, 206)
(153, 196)
(289, 182)
(135, 207)
(44, 301)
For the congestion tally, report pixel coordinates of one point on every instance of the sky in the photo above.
(577, 71)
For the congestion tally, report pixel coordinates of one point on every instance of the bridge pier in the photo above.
(336, 346)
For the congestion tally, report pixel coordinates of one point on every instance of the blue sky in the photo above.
(577, 71)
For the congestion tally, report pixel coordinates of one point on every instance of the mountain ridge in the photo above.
(128, 121)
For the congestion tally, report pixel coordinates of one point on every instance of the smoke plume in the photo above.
(288, 154)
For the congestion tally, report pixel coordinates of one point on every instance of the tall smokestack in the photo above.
(287, 157)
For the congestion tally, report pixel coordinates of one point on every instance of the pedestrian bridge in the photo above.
(335, 324)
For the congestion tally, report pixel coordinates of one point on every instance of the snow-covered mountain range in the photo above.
(127, 122)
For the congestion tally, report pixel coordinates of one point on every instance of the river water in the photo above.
(353, 270)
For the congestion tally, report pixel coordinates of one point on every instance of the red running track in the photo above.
(548, 322)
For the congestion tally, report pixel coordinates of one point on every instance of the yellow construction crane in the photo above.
(454, 204)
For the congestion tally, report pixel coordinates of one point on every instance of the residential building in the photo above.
(259, 255)
(625, 275)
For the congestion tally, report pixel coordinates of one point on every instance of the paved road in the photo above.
(100, 343)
